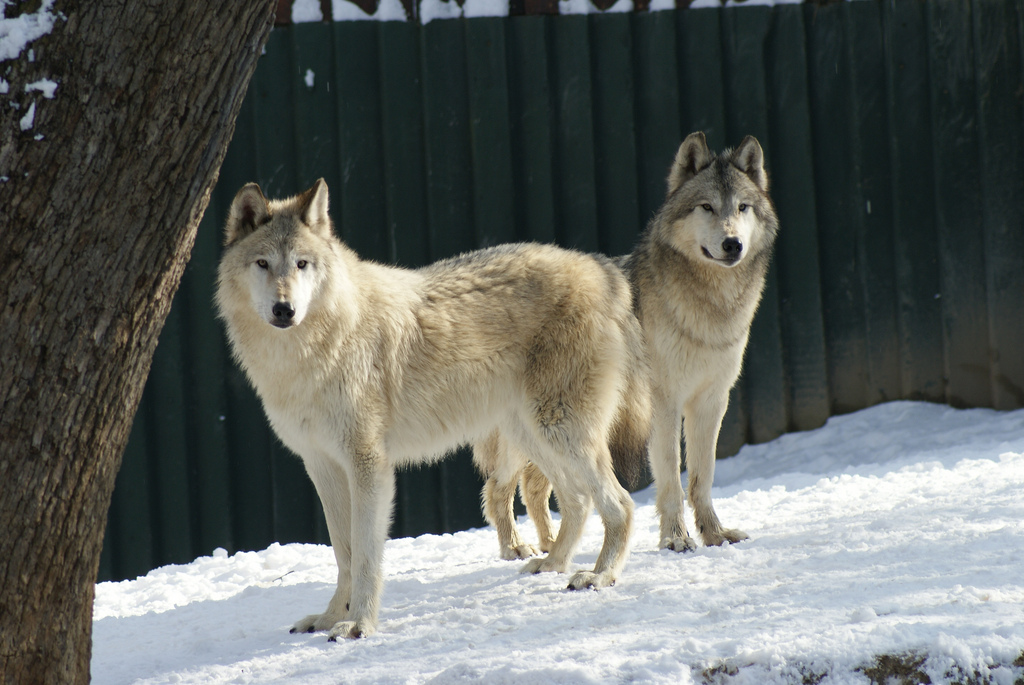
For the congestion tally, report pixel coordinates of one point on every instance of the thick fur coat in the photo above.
(363, 368)
(697, 276)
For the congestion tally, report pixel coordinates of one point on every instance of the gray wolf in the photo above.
(697, 276)
(363, 368)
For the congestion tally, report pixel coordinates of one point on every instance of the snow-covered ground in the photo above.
(891, 536)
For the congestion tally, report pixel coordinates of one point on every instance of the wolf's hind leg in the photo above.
(574, 504)
(535, 489)
(502, 466)
(615, 507)
(499, 497)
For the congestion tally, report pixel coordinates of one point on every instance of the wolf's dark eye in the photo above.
(707, 207)
(744, 207)
(301, 263)
(261, 263)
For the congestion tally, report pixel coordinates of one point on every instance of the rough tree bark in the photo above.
(100, 199)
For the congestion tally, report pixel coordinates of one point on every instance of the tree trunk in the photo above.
(100, 198)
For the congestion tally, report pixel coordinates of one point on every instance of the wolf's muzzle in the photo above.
(283, 313)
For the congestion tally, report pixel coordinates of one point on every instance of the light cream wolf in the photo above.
(363, 368)
(697, 277)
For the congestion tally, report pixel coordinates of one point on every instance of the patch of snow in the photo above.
(29, 119)
(44, 86)
(588, 7)
(449, 9)
(309, 78)
(16, 33)
(387, 10)
(304, 11)
(705, 4)
(485, 8)
(894, 529)
(439, 9)
(392, 10)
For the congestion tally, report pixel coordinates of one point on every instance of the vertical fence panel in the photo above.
(576, 198)
(446, 124)
(274, 118)
(206, 401)
(791, 174)
(167, 447)
(614, 145)
(128, 543)
(402, 140)
(656, 98)
(363, 216)
(916, 246)
(958, 200)
(873, 204)
(702, 97)
(892, 134)
(1000, 119)
(532, 128)
(490, 139)
(835, 181)
(315, 87)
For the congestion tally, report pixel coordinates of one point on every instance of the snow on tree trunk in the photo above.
(114, 122)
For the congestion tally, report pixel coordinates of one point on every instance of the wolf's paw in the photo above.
(314, 623)
(350, 630)
(683, 543)
(542, 565)
(724, 535)
(581, 580)
(523, 551)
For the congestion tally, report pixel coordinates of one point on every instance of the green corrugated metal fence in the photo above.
(893, 134)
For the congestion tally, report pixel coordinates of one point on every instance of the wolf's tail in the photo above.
(631, 429)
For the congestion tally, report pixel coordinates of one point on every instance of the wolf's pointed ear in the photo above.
(749, 158)
(249, 210)
(692, 157)
(314, 204)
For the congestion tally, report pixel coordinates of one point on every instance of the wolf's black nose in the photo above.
(283, 310)
(732, 247)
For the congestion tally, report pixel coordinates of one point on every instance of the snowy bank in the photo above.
(893, 535)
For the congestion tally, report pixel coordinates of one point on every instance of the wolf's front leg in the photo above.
(373, 490)
(536, 492)
(332, 486)
(664, 455)
(702, 420)
(337, 608)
